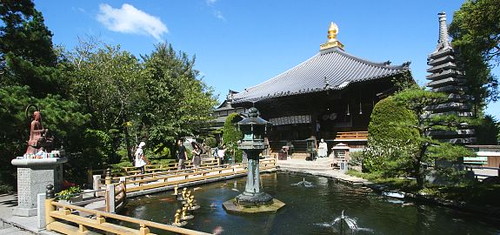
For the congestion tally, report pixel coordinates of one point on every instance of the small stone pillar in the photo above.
(33, 175)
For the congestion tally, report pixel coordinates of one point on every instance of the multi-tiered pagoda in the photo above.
(447, 78)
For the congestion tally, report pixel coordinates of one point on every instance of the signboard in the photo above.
(288, 120)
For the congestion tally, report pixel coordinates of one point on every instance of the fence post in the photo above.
(110, 198)
(144, 230)
(108, 176)
(48, 206)
(41, 209)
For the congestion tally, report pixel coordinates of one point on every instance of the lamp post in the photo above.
(253, 128)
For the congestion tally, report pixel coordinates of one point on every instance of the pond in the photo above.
(312, 207)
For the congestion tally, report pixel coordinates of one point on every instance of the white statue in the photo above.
(322, 149)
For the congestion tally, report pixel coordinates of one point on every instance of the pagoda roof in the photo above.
(330, 69)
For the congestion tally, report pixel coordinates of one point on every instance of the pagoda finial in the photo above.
(332, 38)
(443, 31)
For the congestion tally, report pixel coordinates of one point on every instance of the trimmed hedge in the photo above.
(387, 119)
(391, 139)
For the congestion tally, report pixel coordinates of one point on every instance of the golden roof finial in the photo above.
(332, 38)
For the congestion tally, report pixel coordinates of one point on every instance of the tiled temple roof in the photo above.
(331, 69)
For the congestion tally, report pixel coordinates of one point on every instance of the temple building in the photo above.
(330, 96)
(447, 78)
(223, 110)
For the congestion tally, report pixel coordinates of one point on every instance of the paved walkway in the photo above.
(13, 224)
(319, 167)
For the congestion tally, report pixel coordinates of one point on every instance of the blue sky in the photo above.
(240, 43)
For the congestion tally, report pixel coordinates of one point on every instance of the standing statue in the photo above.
(322, 149)
(38, 135)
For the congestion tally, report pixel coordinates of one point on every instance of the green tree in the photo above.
(488, 130)
(476, 24)
(31, 73)
(231, 135)
(27, 56)
(476, 36)
(428, 150)
(104, 79)
(175, 102)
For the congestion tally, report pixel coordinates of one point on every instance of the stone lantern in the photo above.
(253, 129)
(341, 153)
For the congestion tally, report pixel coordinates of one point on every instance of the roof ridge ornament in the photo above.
(332, 38)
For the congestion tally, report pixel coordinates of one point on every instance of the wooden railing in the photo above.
(166, 167)
(116, 195)
(67, 219)
(352, 135)
(72, 219)
(163, 179)
(151, 181)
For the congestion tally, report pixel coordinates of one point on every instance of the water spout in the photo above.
(304, 183)
(346, 225)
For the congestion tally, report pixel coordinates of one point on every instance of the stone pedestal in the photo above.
(33, 175)
(252, 196)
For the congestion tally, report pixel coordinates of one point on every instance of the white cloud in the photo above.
(210, 2)
(129, 19)
(218, 15)
(215, 12)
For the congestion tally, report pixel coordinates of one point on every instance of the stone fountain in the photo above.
(253, 200)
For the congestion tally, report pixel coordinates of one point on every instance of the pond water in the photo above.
(313, 207)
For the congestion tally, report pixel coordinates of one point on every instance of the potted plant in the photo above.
(70, 195)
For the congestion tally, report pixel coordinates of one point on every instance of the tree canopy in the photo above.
(97, 99)
(475, 31)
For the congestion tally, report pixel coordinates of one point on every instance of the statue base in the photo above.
(33, 176)
(273, 206)
(254, 199)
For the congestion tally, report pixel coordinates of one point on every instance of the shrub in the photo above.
(69, 193)
(391, 138)
(211, 142)
(231, 136)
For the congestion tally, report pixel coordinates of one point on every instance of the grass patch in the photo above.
(476, 194)
(403, 184)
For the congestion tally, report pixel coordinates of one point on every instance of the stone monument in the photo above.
(37, 168)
